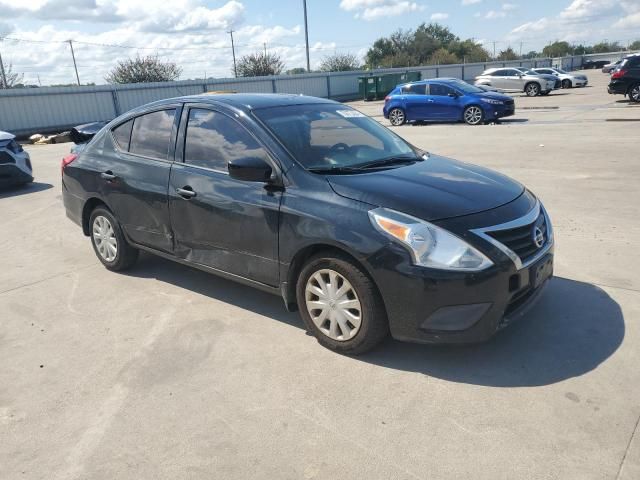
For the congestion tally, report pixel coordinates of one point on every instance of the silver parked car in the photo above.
(611, 67)
(15, 164)
(513, 80)
(569, 80)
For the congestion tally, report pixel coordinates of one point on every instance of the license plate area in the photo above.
(541, 271)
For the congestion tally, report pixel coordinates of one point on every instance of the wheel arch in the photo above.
(89, 206)
(530, 82)
(288, 287)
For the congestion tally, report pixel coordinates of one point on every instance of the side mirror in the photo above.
(250, 169)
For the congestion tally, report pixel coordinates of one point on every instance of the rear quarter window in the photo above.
(122, 135)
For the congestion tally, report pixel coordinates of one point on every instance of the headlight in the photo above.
(492, 101)
(429, 245)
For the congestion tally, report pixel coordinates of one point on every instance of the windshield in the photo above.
(332, 136)
(560, 71)
(465, 87)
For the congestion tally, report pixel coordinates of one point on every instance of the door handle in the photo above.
(108, 175)
(430, 101)
(186, 192)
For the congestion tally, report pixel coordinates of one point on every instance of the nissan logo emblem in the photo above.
(538, 237)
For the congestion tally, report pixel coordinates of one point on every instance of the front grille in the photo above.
(521, 240)
(6, 158)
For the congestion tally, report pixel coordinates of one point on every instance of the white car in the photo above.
(15, 164)
(569, 80)
(513, 80)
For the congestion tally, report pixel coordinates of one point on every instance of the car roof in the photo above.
(6, 136)
(429, 80)
(244, 101)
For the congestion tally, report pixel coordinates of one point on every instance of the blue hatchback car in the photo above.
(445, 100)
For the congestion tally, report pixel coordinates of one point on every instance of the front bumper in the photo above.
(580, 82)
(434, 306)
(11, 174)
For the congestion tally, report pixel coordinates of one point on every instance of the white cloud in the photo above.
(470, 2)
(508, 7)
(187, 33)
(374, 9)
(439, 16)
(493, 14)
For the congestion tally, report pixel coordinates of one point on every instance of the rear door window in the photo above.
(440, 90)
(122, 135)
(415, 89)
(151, 134)
(213, 139)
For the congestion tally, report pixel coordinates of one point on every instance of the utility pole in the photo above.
(3, 76)
(265, 48)
(494, 49)
(521, 49)
(233, 51)
(306, 34)
(73, 55)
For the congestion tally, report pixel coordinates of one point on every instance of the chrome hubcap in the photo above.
(104, 238)
(532, 89)
(333, 305)
(473, 115)
(396, 116)
(635, 93)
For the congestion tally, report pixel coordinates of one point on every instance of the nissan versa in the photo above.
(311, 200)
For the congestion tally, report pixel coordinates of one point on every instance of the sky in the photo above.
(193, 33)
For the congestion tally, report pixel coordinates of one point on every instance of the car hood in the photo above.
(6, 136)
(434, 189)
(494, 95)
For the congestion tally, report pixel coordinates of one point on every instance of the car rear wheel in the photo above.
(341, 305)
(397, 117)
(473, 115)
(566, 83)
(532, 89)
(634, 93)
(108, 241)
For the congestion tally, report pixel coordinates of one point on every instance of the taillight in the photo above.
(619, 74)
(67, 160)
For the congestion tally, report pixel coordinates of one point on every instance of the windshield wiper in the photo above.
(335, 169)
(385, 162)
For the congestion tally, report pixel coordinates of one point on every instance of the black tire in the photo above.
(125, 256)
(397, 117)
(471, 117)
(373, 326)
(544, 94)
(566, 83)
(532, 89)
(634, 93)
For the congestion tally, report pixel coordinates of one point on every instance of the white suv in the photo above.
(15, 164)
(512, 80)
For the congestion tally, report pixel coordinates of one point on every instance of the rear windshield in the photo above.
(331, 135)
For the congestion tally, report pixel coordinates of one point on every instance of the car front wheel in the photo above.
(108, 241)
(532, 89)
(397, 117)
(566, 83)
(473, 115)
(634, 93)
(341, 305)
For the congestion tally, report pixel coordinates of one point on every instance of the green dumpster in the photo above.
(378, 87)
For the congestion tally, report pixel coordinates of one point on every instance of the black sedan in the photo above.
(311, 200)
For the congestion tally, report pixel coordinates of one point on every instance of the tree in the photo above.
(340, 62)
(143, 70)
(442, 56)
(296, 71)
(14, 80)
(605, 47)
(507, 54)
(532, 54)
(260, 64)
(469, 51)
(635, 45)
(582, 50)
(557, 49)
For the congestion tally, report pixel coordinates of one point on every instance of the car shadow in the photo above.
(16, 190)
(212, 286)
(573, 328)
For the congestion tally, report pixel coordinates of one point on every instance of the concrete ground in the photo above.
(166, 372)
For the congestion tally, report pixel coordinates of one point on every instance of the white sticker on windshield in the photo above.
(350, 113)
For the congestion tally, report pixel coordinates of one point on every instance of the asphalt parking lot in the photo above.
(166, 372)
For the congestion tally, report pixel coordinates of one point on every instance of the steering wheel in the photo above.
(339, 147)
